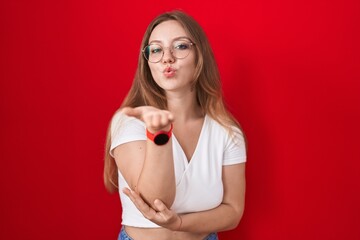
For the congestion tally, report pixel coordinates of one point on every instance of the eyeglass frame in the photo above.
(163, 53)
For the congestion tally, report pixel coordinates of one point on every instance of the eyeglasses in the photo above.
(154, 52)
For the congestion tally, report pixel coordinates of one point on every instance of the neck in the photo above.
(184, 106)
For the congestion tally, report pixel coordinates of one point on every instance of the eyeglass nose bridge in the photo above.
(171, 51)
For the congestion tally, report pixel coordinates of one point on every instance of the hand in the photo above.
(154, 118)
(163, 217)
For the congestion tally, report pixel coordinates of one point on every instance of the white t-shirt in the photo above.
(198, 182)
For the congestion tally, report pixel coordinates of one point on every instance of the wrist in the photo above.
(159, 137)
(180, 224)
(167, 128)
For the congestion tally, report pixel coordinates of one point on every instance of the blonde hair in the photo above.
(144, 90)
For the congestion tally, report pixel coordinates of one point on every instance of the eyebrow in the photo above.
(175, 39)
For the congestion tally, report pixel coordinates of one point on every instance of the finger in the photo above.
(156, 120)
(163, 210)
(127, 192)
(137, 200)
(170, 116)
(165, 119)
(160, 205)
(148, 120)
(140, 204)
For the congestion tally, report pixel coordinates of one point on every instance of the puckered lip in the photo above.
(169, 69)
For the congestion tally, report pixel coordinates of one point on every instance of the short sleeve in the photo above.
(235, 149)
(125, 129)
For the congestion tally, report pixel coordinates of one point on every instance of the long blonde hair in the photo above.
(144, 90)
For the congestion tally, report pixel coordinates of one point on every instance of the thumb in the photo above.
(160, 206)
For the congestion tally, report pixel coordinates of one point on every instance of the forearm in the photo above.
(157, 177)
(224, 217)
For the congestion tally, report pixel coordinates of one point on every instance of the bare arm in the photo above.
(224, 217)
(147, 167)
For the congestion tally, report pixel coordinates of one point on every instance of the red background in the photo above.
(290, 71)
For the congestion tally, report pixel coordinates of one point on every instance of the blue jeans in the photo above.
(124, 236)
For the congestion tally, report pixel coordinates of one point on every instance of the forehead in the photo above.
(167, 31)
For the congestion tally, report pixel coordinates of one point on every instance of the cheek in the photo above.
(191, 64)
(154, 71)
(190, 69)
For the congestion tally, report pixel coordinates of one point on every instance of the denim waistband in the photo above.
(124, 236)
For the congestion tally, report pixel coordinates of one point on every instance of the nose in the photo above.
(168, 56)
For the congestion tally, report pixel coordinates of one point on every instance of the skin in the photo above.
(185, 68)
(140, 167)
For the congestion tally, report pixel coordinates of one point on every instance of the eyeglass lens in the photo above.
(155, 52)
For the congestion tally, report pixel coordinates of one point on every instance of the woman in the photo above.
(174, 152)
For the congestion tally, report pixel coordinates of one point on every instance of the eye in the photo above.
(155, 49)
(182, 46)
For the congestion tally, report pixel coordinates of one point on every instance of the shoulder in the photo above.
(233, 140)
(125, 129)
(121, 122)
(119, 118)
(231, 131)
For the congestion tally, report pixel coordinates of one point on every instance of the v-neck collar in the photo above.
(186, 160)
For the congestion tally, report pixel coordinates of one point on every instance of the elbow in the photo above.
(236, 219)
(168, 201)
(149, 197)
